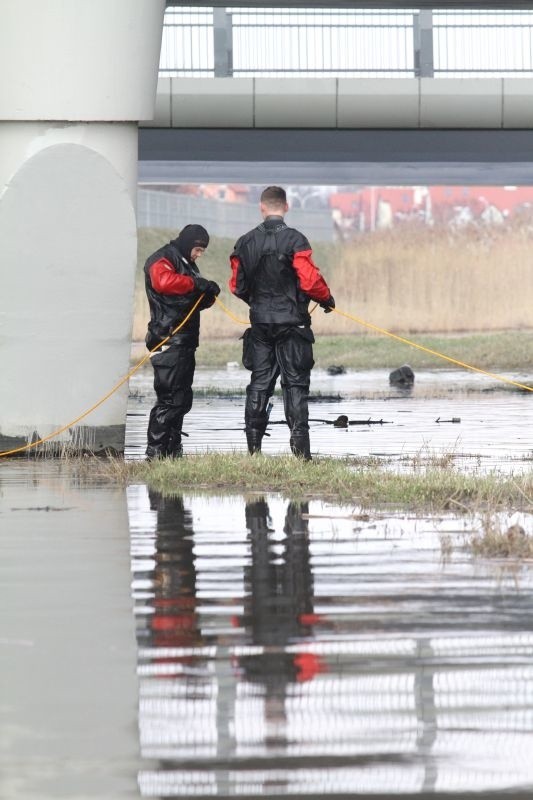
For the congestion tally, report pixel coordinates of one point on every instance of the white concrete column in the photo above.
(75, 78)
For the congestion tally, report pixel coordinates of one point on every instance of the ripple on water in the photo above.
(298, 649)
(494, 432)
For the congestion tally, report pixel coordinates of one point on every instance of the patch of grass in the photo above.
(508, 350)
(495, 542)
(217, 352)
(350, 481)
(501, 351)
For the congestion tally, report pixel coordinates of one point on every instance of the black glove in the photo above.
(207, 287)
(328, 305)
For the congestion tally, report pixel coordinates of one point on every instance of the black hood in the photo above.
(191, 236)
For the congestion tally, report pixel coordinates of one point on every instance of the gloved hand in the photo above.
(328, 305)
(207, 287)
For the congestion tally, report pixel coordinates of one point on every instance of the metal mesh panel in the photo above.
(347, 43)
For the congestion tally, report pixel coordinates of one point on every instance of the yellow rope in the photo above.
(432, 352)
(399, 339)
(230, 314)
(404, 341)
(122, 381)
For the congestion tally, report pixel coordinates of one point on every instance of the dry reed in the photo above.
(411, 279)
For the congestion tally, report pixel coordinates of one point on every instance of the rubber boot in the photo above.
(175, 446)
(255, 419)
(301, 446)
(254, 439)
(153, 453)
(176, 449)
(157, 434)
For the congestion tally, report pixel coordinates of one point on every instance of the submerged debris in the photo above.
(342, 421)
(403, 376)
(336, 369)
(496, 543)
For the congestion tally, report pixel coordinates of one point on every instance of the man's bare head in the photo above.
(273, 202)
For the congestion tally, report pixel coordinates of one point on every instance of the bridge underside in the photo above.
(336, 157)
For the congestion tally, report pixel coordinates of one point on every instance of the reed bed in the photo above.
(410, 279)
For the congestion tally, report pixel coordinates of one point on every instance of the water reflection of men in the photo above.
(278, 609)
(175, 621)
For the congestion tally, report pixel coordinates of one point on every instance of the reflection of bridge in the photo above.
(68, 138)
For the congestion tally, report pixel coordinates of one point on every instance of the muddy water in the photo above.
(300, 650)
(494, 431)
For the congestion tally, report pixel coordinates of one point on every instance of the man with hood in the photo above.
(173, 284)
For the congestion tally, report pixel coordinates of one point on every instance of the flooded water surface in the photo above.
(493, 429)
(250, 646)
(290, 649)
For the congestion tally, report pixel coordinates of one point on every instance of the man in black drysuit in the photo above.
(272, 271)
(173, 284)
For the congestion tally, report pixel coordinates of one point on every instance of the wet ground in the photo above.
(493, 427)
(248, 646)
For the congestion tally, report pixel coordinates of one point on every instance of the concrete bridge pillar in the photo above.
(75, 78)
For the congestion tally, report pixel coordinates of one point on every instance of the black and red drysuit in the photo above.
(173, 284)
(273, 271)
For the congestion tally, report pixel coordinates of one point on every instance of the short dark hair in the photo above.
(274, 196)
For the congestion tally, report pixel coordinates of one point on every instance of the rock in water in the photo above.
(403, 376)
(336, 369)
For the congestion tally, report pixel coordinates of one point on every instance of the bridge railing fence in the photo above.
(226, 42)
(164, 209)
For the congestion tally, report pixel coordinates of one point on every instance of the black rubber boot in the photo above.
(154, 453)
(175, 449)
(254, 439)
(175, 446)
(158, 434)
(301, 446)
(255, 419)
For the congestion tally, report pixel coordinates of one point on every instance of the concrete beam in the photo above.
(336, 157)
(74, 79)
(295, 103)
(194, 104)
(461, 103)
(322, 103)
(378, 103)
(64, 61)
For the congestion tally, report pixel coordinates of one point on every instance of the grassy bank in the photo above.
(359, 483)
(510, 350)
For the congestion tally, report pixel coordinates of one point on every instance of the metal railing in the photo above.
(237, 42)
(163, 209)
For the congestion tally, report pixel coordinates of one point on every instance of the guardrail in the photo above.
(226, 42)
(163, 209)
